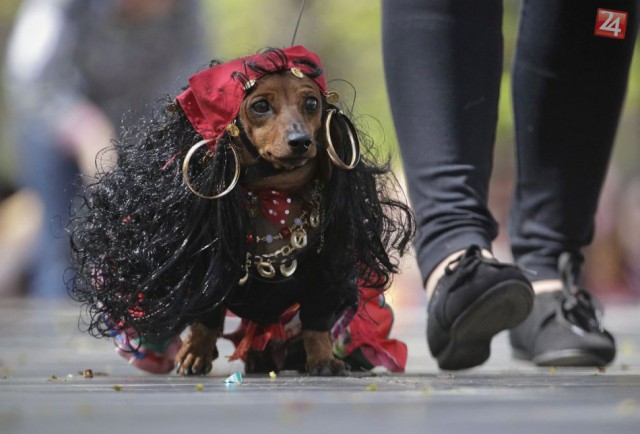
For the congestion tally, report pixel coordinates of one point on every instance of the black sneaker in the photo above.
(476, 299)
(565, 327)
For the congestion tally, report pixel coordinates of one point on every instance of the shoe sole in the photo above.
(502, 307)
(575, 358)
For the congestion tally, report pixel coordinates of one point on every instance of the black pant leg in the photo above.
(443, 63)
(568, 90)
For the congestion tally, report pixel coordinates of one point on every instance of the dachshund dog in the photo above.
(251, 192)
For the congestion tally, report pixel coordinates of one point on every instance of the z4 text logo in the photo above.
(611, 24)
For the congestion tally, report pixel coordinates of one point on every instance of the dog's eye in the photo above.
(311, 104)
(261, 106)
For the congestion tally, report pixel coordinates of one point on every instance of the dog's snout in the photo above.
(299, 141)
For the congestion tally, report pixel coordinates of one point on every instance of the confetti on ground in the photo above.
(199, 387)
(95, 374)
(371, 388)
(627, 348)
(447, 376)
(553, 369)
(627, 406)
(272, 375)
(117, 387)
(88, 373)
(235, 378)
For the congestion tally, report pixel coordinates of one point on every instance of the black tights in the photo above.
(443, 63)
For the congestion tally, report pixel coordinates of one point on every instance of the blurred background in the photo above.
(346, 35)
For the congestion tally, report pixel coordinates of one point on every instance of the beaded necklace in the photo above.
(274, 206)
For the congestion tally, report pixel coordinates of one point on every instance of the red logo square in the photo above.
(611, 24)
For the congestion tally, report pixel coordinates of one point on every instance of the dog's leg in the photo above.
(320, 359)
(198, 351)
(199, 348)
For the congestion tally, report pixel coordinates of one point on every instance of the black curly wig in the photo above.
(150, 257)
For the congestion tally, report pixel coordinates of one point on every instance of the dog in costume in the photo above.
(252, 193)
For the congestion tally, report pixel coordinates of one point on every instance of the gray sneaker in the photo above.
(565, 326)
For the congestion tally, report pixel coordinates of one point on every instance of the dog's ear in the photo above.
(324, 163)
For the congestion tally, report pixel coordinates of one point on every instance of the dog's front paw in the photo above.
(198, 351)
(320, 359)
(326, 367)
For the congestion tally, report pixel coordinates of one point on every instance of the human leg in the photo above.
(568, 89)
(443, 63)
(53, 176)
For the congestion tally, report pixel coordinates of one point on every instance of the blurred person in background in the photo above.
(443, 64)
(613, 262)
(74, 69)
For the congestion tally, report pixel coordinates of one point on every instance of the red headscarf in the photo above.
(213, 98)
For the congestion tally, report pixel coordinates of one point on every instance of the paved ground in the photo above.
(40, 341)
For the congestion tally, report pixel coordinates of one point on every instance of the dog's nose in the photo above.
(299, 141)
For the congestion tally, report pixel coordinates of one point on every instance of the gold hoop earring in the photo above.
(353, 139)
(185, 171)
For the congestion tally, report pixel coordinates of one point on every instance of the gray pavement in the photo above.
(41, 391)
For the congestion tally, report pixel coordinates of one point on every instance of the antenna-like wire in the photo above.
(295, 32)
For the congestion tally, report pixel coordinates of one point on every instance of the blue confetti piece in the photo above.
(235, 378)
